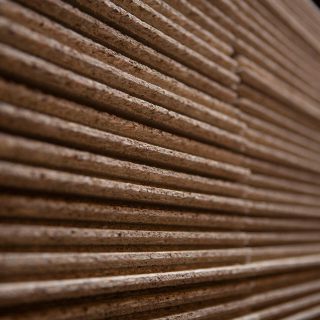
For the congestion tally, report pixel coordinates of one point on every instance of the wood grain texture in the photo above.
(159, 160)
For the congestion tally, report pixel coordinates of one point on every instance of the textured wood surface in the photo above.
(159, 159)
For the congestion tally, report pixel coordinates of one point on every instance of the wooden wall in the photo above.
(159, 159)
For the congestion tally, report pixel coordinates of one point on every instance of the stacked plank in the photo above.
(159, 159)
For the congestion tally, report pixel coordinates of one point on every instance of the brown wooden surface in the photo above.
(159, 159)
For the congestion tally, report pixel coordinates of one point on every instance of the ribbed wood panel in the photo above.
(159, 159)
